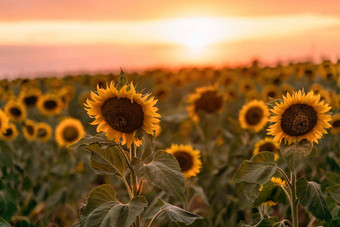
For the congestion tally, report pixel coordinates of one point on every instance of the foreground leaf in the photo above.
(99, 139)
(311, 197)
(103, 209)
(164, 173)
(293, 154)
(335, 192)
(270, 191)
(177, 214)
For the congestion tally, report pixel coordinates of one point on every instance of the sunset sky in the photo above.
(45, 36)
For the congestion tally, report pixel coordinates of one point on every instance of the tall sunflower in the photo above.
(3, 122)
(50, 104)
(300, 116)
(68, 132)
(44, 132)
(207, 99)
(187, 158)
(121, 113)
(267, 144)
(29, 130)
(254, 115)
(10, 134)
(15, 111)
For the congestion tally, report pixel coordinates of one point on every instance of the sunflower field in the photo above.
(245, 146)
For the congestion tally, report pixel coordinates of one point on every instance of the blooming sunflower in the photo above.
(267, 144)
(68, 132)
(44, 132)
(29, 97)
(208, 99)
(50, 104)
(15, 111)
(231, 94)
(246, 85)
(3, 122)
(270, 91)
(254, 115)
(121, 113)
(335, 123)
(29, 130)
(162, 92)
(287, 88)
(188, 159)
(10, 134)
(300, 116)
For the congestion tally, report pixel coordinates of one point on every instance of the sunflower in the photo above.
(267, 144)
(29, 130)
(44, 131)
(207, 99)
(231, 94)
(287, 88)
(50, 104)
(246, 85)
(227, 79)
(316, 88)
(10, 134)
(68, 132)
(254, 115)
(327, 70)
(187, 158)
(83, 97)
(15, 111)
(3, 122)
(29, 97)
(270, 91)
(335, 123)
(121, 113)
(254, 94)
(300, 116)
(278, 181)
(161, 92)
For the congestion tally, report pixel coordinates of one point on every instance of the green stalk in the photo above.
(294, 200)
(154, 217)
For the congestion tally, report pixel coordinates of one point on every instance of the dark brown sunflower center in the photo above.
(9, 132)
(184, 159)
(210, 101)
(15, 112)
(70, 133)
(254, 115)
(271, 94)
(336, 124)
(122, 115)
(30, 100)
(50, 104)
(42, 133)
(30, 129)
(267, 147)
(299, 119)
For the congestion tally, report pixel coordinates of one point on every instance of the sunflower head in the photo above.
(299, 116)
(207, 99)
(15, 111)
(50, 104)
(68, 132)
(29, 129)
(267, 144)
(3, 122)
(10, 134)
(44, 132)
(254, 115)
(246, 85)
(121, 113)
(161, 92)
(270, 91)
(187, 158)
(29, 97)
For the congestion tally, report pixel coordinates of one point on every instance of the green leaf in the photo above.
(99, 139)
(108, 161)
(254, 172)
(177, 214)
(295, 153)
(103, 209)
(7, 205)
(264, 156)
(164, 173)
(148, 147)
(122, 80)
(335, 192)
(270, 191)
(267, 222)
(4, 223)
(311, 198)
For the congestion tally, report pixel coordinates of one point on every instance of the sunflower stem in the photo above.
(154, 217)
(134, 178)
(127, 187)
(294, 201)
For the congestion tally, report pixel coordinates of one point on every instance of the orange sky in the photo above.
(50, 36)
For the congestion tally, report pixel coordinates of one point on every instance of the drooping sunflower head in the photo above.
(207, 99)
(267, 144)
(3, 121)
(29, 96)
(10, 134)
(44, 132)
(122, 113)
(50, 104)
(254, 115)
(15, 111)
(68, 132)
(187, 158)
(299, 116)
(29, 130)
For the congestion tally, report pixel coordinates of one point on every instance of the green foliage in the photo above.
(270, 191)
(311, 197)
(334, 191)
(295, 153)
